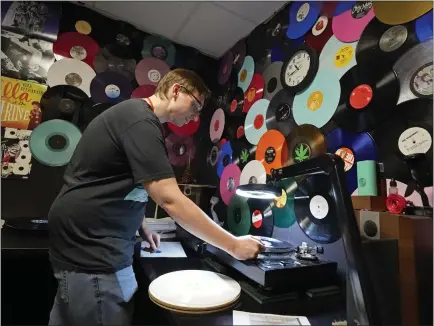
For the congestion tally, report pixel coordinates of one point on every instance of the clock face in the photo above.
(297, 68)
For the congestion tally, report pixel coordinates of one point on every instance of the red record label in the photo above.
(240, 132)
(361, 96)
(347, 156)
(188, 129)
(254, 92)
(76, 46)
(257, 218)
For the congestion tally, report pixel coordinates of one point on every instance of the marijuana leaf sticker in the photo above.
(244, 156)
(302, 152)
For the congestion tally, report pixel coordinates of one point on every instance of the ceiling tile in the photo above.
(255, 11)
(213, 29)
(158, 17)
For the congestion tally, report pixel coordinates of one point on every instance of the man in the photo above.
(119, 161)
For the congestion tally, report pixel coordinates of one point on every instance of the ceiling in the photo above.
(212, 27)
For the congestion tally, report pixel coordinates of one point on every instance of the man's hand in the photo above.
(247, 247)
(150, 237)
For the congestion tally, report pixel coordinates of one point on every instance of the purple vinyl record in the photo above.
(225, 68)
(150, 70)
(110, 87)
(238, 53)
(181, 149)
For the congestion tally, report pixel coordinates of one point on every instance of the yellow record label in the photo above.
(344, 55)
(281, 201)
(315, 100)
(83, 27)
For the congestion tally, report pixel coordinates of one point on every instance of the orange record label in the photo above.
(234, 104)
(257, 219)
(272, 150)
(361, 96)
(251, 94)
(83, 27)
(315, 100)
(243, 75)
(347, 156)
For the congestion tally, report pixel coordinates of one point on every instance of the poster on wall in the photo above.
(25, 58)
(32, 18)
(16, 156)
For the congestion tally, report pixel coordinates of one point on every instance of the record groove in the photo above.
(279, 112)
(305, 142)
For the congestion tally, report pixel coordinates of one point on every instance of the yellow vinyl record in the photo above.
(400, 12)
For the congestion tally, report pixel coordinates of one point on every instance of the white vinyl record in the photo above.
(194, 290)
(217, 125)
(255, 124)
(253, 173)
(71, 72)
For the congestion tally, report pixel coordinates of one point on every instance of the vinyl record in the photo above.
(253, 173)
(238, 54)
(400, 12)
(275, 245)
(238, 216)
(349, 25)
(126, 42)
(381, 45)
(343, 6)
(254, 92)
(315, 209)
(160, 48)
(302, 16)
(242, 153)
(352, 148)
(409, 131)
(181, 149)
(188, 129)
(272, 150)
(71, 72)
(143, 91)
(262, 63)
(272, 83)
(92, 112)
(367, 98)
(299, 69)
(149, 71)
(234, 129)
(305, 142)
(225, 68)
(64, 102)
(415, 72)
(275, 29)
(283, 208)
(105, 61)
(320, 33)
(53, 142)
(224, 158)
(423, 26)
(229, 181)
(76, 46)
(279, 112)
(110, 87)
(212, 156)
(317, 104)
(255, 125)
(337, 57)
(261, 216)
(235, 104)
(217, 125)
(257, 49)
(246, 72)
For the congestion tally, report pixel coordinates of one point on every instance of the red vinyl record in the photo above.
(76, 46)
(144, 91)
(254, 92)
(188, 129)
(320, 33)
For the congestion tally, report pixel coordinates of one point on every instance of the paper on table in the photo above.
(167, 249)
(248, 318)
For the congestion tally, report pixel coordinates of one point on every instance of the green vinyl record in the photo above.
(238, 216)
(283, 208)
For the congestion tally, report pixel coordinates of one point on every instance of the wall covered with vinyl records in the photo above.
(62, 65)
(349, 78)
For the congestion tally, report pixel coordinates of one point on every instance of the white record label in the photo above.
(414, 140)
(78, 52)
(302, 12)
(319, 207)
(154, 75)
(112, 91)
(320, 25)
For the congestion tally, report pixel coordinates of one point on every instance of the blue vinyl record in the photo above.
(280, 52)
(423, 27)
(302, 16)
(317, 103)
(246, 72)
(53, 142)
(343, 6)
(352, 148)
(225, 158)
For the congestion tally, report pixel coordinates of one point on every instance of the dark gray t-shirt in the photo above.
(93, 221)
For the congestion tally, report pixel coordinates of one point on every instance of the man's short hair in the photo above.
(187, 78)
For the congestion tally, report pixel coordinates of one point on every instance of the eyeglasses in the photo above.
(198, 105)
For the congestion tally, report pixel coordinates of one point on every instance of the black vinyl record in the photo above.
(242, 153)
(367, 98)
(234, 129)
(105, 61)
(381, 45)
(275, 29)
(110, 87)
(92, 112)
(261, 217)
(126, 41)
(279, 112)
(409, 131)
(301, 56)
(64, 102)
(255, 47)
(315, 209)
(234, 107)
